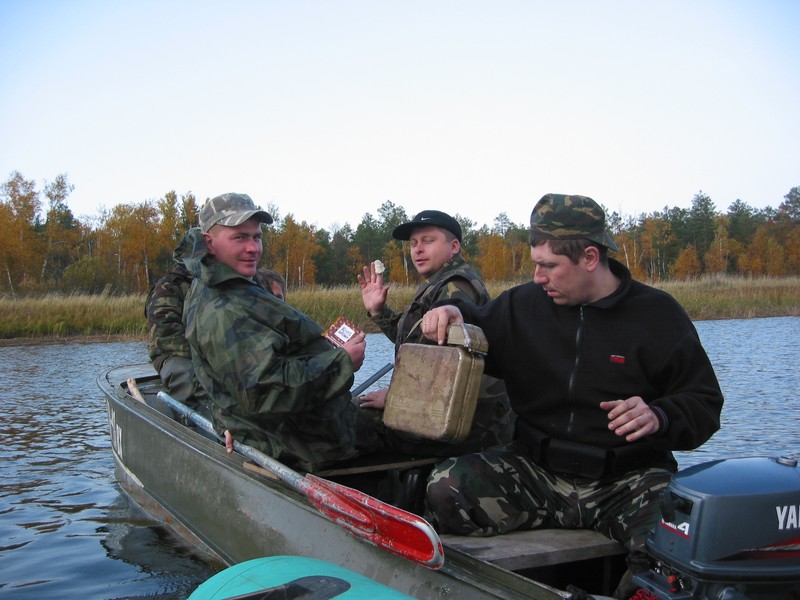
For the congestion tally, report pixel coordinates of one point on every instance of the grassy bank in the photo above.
(56, 317)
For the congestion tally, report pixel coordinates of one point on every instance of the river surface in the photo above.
(67, 531)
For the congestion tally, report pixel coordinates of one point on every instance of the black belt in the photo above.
(580, 460)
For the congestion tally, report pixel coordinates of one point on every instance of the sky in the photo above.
(328, 109)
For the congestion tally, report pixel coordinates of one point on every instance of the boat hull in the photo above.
(234, 514)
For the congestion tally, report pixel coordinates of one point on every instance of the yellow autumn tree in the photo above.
(629, 253)
(655, 236)
(21, 244)
(292, 251)
(687, 265)
(133, 231)
(716, 257)
(494, 258)
(397, 264)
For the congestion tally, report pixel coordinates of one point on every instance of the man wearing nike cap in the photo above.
(434, 239)
(273, 381)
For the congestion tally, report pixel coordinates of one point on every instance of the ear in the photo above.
(592, 257)
(209, 240)
(455, 246)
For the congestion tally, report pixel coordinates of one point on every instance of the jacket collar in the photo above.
(625, 280)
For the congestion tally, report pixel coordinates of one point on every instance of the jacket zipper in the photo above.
(574, 374)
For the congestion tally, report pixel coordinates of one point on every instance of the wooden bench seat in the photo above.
(376, 465)
(536, 548)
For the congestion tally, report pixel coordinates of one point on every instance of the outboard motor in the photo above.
(730, 530)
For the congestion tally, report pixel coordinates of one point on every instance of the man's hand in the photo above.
(632, 418)
(376, 399)
(373, 292)
(228, 441)
(435, 322)
(356, 347)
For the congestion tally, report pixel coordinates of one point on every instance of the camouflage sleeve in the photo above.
(387, 321)
(270, 362)
(459, 289)
(164, 310)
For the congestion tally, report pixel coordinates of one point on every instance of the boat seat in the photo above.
(380, 464)
(536, 548)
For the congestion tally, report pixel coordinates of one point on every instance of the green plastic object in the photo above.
(292, 577)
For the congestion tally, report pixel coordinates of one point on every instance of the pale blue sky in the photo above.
(328, 108)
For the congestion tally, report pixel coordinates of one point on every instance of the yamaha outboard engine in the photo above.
(730, 530)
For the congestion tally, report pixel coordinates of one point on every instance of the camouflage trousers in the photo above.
(500, 490)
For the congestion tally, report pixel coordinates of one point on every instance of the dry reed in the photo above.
(59, 316)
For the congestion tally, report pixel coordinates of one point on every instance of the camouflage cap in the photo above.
(560, 217)
(230, 210)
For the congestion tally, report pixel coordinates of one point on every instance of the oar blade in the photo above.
(367, 518)
(383, 525)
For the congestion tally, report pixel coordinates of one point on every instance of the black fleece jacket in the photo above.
(560, 362)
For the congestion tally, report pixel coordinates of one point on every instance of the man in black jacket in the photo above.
(607, 377)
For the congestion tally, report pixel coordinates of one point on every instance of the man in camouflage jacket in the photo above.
(167, 346)
(435, 240)
(274, 382)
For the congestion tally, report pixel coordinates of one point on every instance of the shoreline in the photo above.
(72, 339)
(122, 337)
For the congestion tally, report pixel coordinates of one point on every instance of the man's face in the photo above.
(566, 283)
(430, 249)
(238, 247)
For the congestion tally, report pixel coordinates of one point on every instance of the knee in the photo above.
(449, 495)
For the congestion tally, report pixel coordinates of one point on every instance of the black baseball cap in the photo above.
(428, 218)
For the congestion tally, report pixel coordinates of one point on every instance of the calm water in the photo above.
(66, 530)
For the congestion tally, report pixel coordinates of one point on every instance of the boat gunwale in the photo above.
(487, 580)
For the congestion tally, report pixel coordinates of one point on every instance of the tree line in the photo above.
(126, 248)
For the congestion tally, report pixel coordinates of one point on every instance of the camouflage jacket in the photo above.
(456, 279)
(493, 421)
(272, 378)
(164, 306)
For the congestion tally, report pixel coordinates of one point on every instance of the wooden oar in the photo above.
(367, 518)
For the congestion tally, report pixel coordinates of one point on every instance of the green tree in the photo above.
(701, 223)
(60, 232)
(469, 237)
(743, 220)
(369, 238)
(791, 205)
(88, 275)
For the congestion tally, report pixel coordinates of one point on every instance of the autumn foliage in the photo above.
(126, 248)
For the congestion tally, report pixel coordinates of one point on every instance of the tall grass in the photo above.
(726, 297)
(57, 316)
(60, 316)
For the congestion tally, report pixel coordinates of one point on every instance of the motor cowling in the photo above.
(729, 530)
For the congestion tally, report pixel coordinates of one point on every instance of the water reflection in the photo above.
(756, 364)
(67, 531)
(65, 528)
